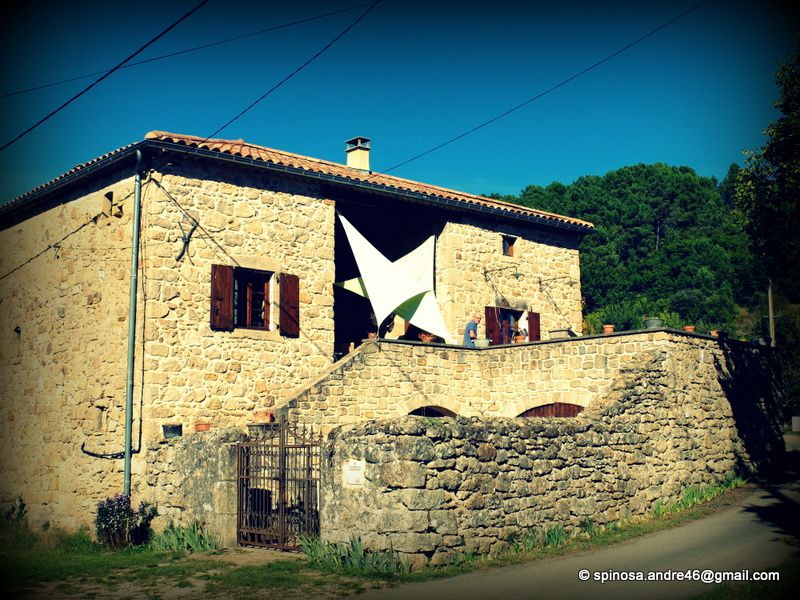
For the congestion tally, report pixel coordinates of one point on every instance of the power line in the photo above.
(187, 50)
(297, 70)
(551, 89)
(91, 85)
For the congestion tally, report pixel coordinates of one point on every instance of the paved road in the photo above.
(753, 535)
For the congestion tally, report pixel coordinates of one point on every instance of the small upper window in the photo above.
(508, 245)
(251, 290)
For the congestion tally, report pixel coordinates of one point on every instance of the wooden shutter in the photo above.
(221, 298)
(290, 305)
(492, 325)
(534, 327)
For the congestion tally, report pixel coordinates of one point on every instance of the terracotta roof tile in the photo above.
(307, 163)
(304, 163)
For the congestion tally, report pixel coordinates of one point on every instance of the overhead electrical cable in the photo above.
(187, 50)
(91, 85)
(296, 71)
(551, 89)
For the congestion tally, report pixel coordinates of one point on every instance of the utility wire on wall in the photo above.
(551, 89)
(94, 83)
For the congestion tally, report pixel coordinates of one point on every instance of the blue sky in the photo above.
(410, 76)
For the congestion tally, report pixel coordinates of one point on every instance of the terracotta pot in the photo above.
(202, 426)
(608, 328)
(520, 339)
(714, 332)
(262, 415)
(689, 328)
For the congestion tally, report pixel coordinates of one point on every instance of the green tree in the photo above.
(768, 189)
(664, 241)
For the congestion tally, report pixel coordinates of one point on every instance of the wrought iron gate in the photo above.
(279, 487)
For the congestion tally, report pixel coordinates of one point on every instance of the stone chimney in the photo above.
(357, 151)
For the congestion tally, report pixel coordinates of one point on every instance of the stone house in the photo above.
(237, 247)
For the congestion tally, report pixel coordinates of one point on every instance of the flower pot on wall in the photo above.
(653, 323)
(689, 328)
(608, 328)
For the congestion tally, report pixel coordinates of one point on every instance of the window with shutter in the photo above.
(290, 305)
(534, 327)
(252, 293)
(493, 324)
(242, 298)
(221, 298)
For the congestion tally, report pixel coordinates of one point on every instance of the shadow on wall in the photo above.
(753, 386)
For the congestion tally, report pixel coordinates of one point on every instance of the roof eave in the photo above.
(448, 203)
(22, 204)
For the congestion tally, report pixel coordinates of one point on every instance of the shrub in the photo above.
(117, 525)
(16, 514)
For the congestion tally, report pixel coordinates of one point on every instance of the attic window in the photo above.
(508, 245)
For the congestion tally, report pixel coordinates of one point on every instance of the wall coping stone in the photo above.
(580, 338)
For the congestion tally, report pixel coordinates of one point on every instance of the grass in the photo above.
(180, 559)
(52, 562)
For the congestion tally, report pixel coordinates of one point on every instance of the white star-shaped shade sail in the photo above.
(403, 287)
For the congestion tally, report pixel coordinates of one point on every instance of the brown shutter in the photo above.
(290, 305)
(492, 325)
(534, 327)
(221, 298)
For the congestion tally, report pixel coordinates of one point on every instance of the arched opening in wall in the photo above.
(432, 411)
(556, 409)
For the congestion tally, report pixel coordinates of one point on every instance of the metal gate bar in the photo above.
(279, 488)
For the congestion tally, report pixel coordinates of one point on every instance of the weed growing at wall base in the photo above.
(696, 494)
(544, 538)
(352, 558)
(180, 538)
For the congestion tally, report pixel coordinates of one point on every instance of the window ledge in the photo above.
(256, 334)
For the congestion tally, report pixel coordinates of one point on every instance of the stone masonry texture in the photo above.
(64, 295)
(683, 414)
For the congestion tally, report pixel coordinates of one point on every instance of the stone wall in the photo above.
(384, 379)
(432, 488)
(63, 340)
(472, 273)
(194, 478)
(247, 220)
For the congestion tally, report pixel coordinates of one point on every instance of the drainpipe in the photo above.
(137, 204)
